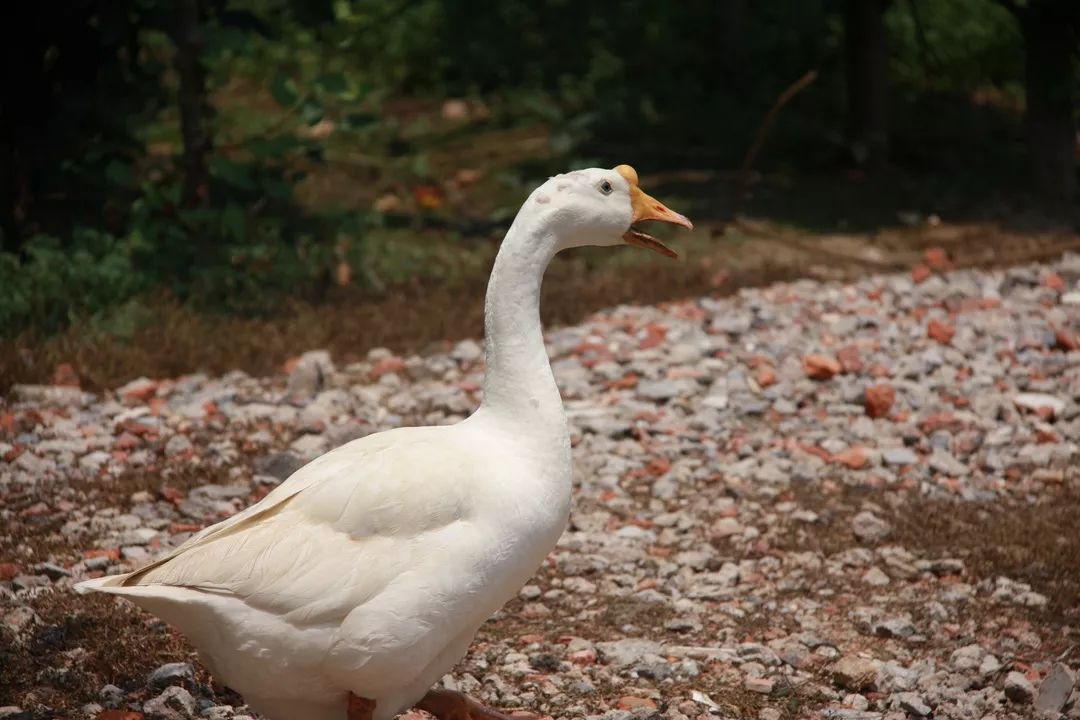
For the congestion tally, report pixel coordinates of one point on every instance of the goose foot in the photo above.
(451, 705)
(360, 708)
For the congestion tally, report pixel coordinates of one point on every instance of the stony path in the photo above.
(810, 500)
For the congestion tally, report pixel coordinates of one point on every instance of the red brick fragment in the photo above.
(920, 273)
(1054, 281)
(65, 375)
(941, 332)
(937, 259)
(849, 359)
(115, 714)
(765, 376)
(854, 458)
(387, 366)
(820, 367)
(631, 702)
(879, 400)
(1065, 339)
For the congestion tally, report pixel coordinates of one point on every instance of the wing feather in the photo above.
(335, 533)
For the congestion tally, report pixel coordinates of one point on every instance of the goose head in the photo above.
(603, 207)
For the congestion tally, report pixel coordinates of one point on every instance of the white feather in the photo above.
(371, 568)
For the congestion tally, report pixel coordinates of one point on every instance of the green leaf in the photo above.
(274, 147)
(233, 221)
(561, 143)
(231, 173)
(196, 216)
(219, 39)
(283, 88)
(277, 188)
(420, 166)
(119, 173)
(358, 121)
(333, 83)
(311, 111)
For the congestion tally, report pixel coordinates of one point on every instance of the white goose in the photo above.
(349, 590)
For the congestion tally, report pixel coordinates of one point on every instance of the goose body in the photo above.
(368, 572)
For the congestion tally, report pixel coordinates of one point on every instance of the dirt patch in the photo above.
(1035, 542)
(78, 645)
(33, 537)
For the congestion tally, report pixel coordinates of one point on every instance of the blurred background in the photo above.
(208, 184)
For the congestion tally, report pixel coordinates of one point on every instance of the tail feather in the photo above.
(107, 583)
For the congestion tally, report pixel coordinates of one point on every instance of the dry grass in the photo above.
(408, 319)
(418, 315)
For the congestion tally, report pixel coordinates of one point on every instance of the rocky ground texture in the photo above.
(849, 501)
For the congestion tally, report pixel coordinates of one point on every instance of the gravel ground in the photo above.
(852, 501)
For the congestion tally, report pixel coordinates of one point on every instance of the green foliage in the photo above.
(54, 285)
(955, 46)
(294, 84)
(247, 246)
(703, 72)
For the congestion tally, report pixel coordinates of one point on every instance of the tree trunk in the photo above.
(731, 36)
(866, 56)
(10, 239)
(1050, 40)
(194, 110)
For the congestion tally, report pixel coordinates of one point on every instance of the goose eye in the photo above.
(605, 187)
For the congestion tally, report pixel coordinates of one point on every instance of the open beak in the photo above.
(647, 208)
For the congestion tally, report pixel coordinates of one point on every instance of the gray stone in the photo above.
(174, 703)
(849, 714)
(658, 389)
(944, 463)
(1039, 401)
(1018, 688)
(57, 395)
(630, 651)
(309, 446)
(912, 703)
(178, 445)
(869, 528)
(311, 374)
(467, 351)
(54, 571)
(899, 456)
(759, 685)
(896, 627)
(93, 461)
(854, 673)
(279, 465)
(967, 658)
(1055, 689)
(875, 577)
(171, 674)
(111, 696)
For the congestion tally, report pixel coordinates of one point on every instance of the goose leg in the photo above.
(360, 708)
(451, 705)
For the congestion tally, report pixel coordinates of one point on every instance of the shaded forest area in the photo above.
(236, 156)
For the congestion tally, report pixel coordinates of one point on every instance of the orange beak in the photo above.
(647, 208)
